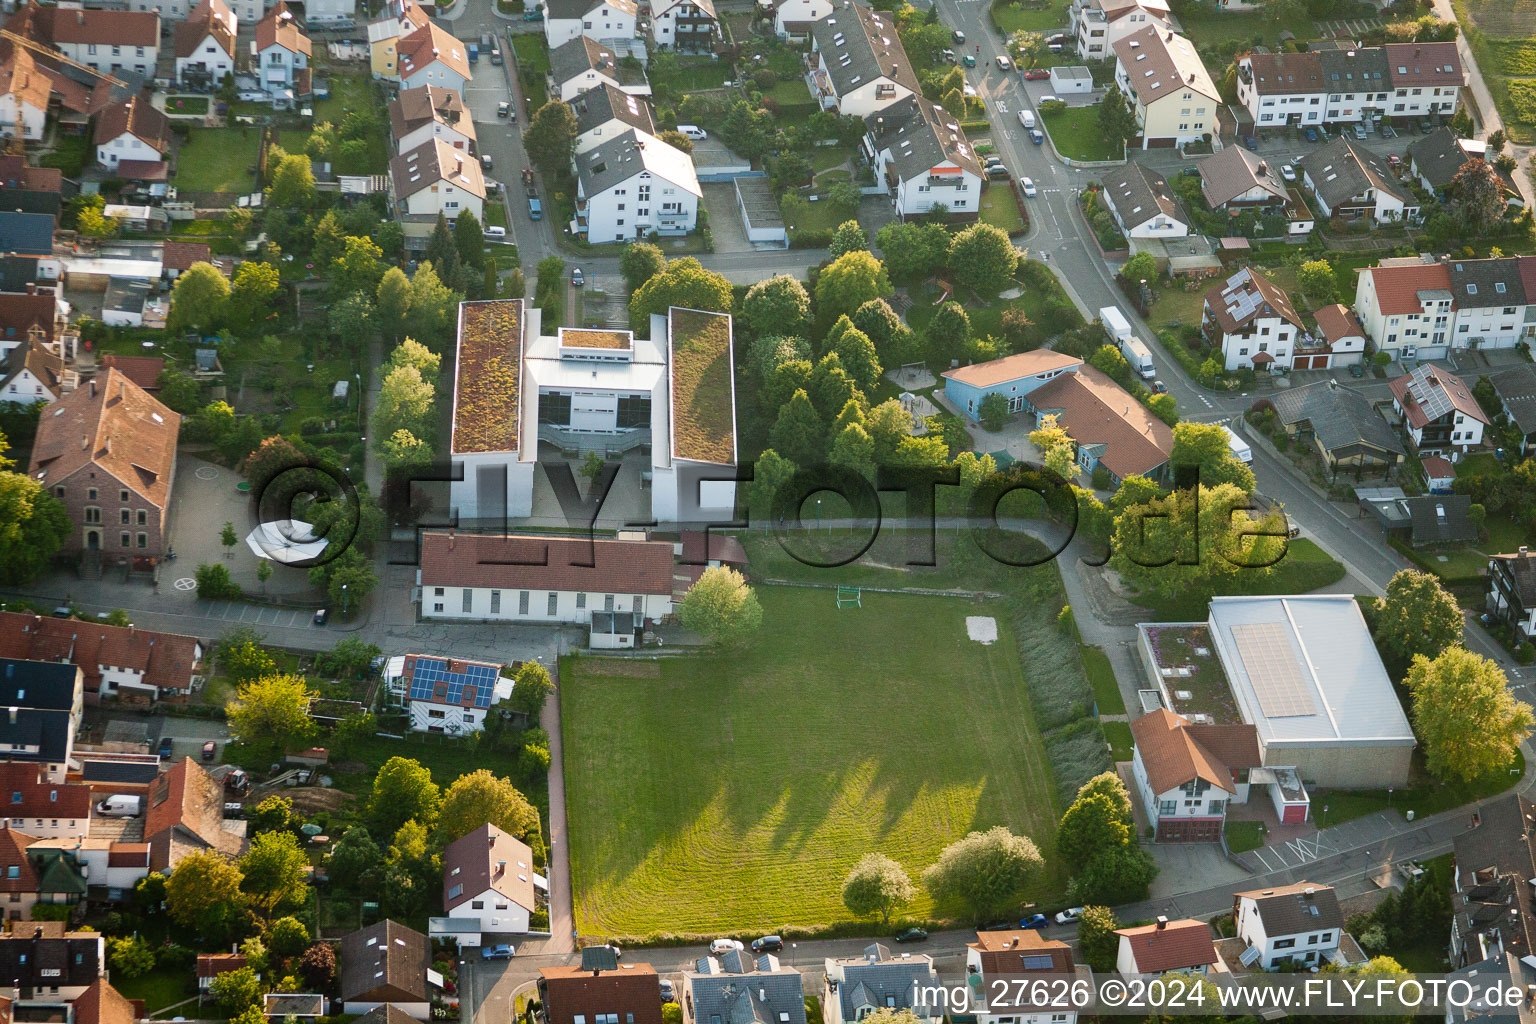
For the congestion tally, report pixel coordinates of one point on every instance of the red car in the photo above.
(1036, 74)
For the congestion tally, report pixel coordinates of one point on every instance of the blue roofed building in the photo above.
(1013, 377)
(859, 985)
(735, 989)
(26, 234)
(447, 695)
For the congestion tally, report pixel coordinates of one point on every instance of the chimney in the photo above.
(31, 288)
(13, 716)
(762, 994)
(1162, 922)
(1523, 550)
(93, 387)
(450, 548)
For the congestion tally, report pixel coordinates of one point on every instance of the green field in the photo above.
(1076, 134)
(217, 160)
(733, 793)
(1243, 836)
(1500, 34)
(1101, 676)
(1000, 208)
(1305, 568)
(1010, 16)
(1240, 29)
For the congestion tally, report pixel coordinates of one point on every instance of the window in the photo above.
(123, 516)
(581, 599)
(522, 602)
(58, 492)
(90, 494)
(143, 540)
(468, 600)
(13, 871)
(1285, 943)
(122, 495)
(1168, 807)
(16, 796)
(495, 602)
(127, 540)
(607, 602)
(477, 904)
(1326, 937)
(554, 603)
(1311, 940)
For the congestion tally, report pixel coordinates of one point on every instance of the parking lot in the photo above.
(253, 615)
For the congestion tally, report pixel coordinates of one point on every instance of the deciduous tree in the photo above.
(272, 713)
(293, 183)
(1479, 198)
(639, 262)
(913, 251)
(1190, 545)
(983, 259)
(198, 298)
(1469, 722)
(798, 433)
(238, 991)
(33, 526)
(204, 893)
(847, 237)
(683, 283)
(780, 306)
(721, 607)
(877, 885)
(986, 872)
(551, 136)
(393, 301)
(479, 798)
(275, 873)
(531, 688)
(1418, 616)
(1097, 939)
(403, 790)
(405, 402)
(1205, 446)
(850, 281)
(1317, 281)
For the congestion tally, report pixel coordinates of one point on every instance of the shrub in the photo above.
(1525, 653)
(1100, 478)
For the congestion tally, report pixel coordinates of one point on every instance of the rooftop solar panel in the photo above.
(435, 679)
(1274, 670)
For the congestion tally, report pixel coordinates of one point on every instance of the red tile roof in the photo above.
(41, 179)
(1094, 410)
(20, 313)
(128, 855)
(487, 858)
(546, 563)
(136, 117)
(181, 255)
(1436, 467)
(1420, 64)
(103, 1004)
(13, 854)
(281, 28)
(186, 809)
(1174, 752)
(208, 18)
(1175, 945)
(122, 28)
(1397, 288)
(38, 797)
(211, 965)
(430, 43)
(571, 993)
(1338, 321)
(21, 78)
(1271, 301)
(142, 370)
(116, 426)
(1412, 389)
(167, 660)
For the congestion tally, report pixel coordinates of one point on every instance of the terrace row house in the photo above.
(1349, 86)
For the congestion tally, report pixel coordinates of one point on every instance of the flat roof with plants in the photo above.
(703, 395)
(583, 338)
(1191, 673)
(488, 376)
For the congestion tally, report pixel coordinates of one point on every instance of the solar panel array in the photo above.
(1433, 399)
(1273, 670)
(434, 679)
(1241, 305)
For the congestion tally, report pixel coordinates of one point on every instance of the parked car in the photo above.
(959, 36)
(1037, 74)
(720, 946)
(1159, 388)
(1251, 143)
(767, 944)
(534, 15)
(913, 935)
(535, 209)
(949, 56)
(496, 55)
(1287, 172)
(1387, 131)
(503, 109)
(1004, 63)
(693, 131)
(321, 614)
(1311, 134)
(1036, 136)
(210, 750)
(1034, 921)
(485, 162)
(1360, 132)
(1048, 98)
(1394, 161)
(577, 277)
(997, 170)
(1071, 914)
(166, 746)
(970, 60)
(1357, 369)
(1028, 185)
(1056, 37)
(668, 991)
(1027, 118)
(501, 952)
(1426, 126)
(970, 90)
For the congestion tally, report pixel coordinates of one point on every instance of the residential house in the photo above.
(103, 1004)
(24, 93)
(734, 987)
(211, 965)
(565, 20)
(687, 26)
(577, 993)
(1141, 202)
(1236, 178)
(1251, 320)
(1097, 25)
(1491, 913)
(1351, 182)
(385, 962)
(41, 808)
(710, 549)
(1406, 307)
(281, 57)
(33, 313)
(792, 19)
(447, 695)
(1187, 773)
(1170, 93)
(432, 56)
(857, 64)
(1511, 594)
(1339, 340)
(1426, 521)
(27, 200)
(1491, 304)
(1003, 960)
(109, 438)
(1426, 78)
(1013, 377)
(435, 178)
(45, 962)
(1166, 946)
(1349, 84)
(856, 986)
(185, 814)
(1281, 89)
(921, 156)
(105, 41)
(205, 45)
(632, 185)
(45, 702)
(289, 1006)
(417, 116)
(582, 385)
(1439, 474)
(489, 882)
(32, 373)
(110, 867)
(581, 65)
(176, 258)
(1298, 926)
(1439, 411)
(605, 112)
(1516, 388)
(1438, 157)
(132, 131)
(115, 660)
(400, 19)
(37, 874)
(1342, 425)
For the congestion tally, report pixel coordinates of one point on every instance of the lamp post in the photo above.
(343, 602)
(359, 378)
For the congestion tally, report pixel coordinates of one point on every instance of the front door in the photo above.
(92, 540)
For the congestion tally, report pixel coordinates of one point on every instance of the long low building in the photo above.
(535, 578)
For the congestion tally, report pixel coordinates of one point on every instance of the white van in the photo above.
(120, 805)
(1241, 450)
(693, 131)
(1027, 118)
(496, 233)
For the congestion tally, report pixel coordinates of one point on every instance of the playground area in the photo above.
(785, 780)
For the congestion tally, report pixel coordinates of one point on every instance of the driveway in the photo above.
(725, 217)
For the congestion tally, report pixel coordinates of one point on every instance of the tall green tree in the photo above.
(531, 689)
(481, 798)
(434, 308)
(847, 283)
(848, 237)
(272, 713)
(393, 301)
(1466, 718)
(1096, 937)
(985, 873)
(913, 251)
(639, 262)
(403, 791)
(276, 872)
(405, 402)
(1417, 616)
(683, 283)
(877, 885)
(359, 267)
(198, 298)
(721, 607)
(1206, 447)
(983, 258)
(1116, 119)
(550, 137)
(798, 433)
(293, 183)
(33, 525)
(779, 305)
(204, 893)
(469, 239)
(443, 253)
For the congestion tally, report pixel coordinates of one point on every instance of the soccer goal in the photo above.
(848, 597)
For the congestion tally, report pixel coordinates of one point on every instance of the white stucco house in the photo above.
(857, 64)
(1252, 321)
(1350, 182)
(1170, 92)
(792, 19)
(1297, 925)
(1141, 202)
(564, 20)
(922, 157)
(24, 93)
(446, 695)
(205, 45)
(1096, 25)
(132, 130)
(418, 116)
(632, 185)
(607, 112)
(489, 882)
(436, 178)
(1168, 946)
(280, 55)
(688, 26)
(432, 56)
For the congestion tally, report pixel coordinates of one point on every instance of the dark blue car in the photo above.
(1034, 921)
(1311, 134)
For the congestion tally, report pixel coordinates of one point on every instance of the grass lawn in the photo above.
(817, 216)
(355, 92)
(1121, 744)
(1504, 535)
(1243, 835)
(1000, 207)
(986, 318)
(793, 97)
(159, 988)
(1010, 16)
(1500, 33)
(824, 158)
(1427, 797)
(751, 824)
(696, 74)
(187, 104)
(1175, 306)
(532, 52)
(70, 155)
(217, 160)
(1305, 568)
(1076, 134)
(1242, 27)
(1101, 676)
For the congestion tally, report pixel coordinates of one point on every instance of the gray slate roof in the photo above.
(934, 135)
(1341, 170)
(1431, 527)
(751, 996)
(596, 107)
(1516, 388)
(579, 56)
(1495, 282)
(1438, 156)
(870, 42)
(1226, 175)
(1340, 416)
(878, 980)
(26, 233)
(566, 9)
(1139, 193)
(1354, 70)
(1288, 912)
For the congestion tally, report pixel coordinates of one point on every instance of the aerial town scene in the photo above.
(767, 511)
